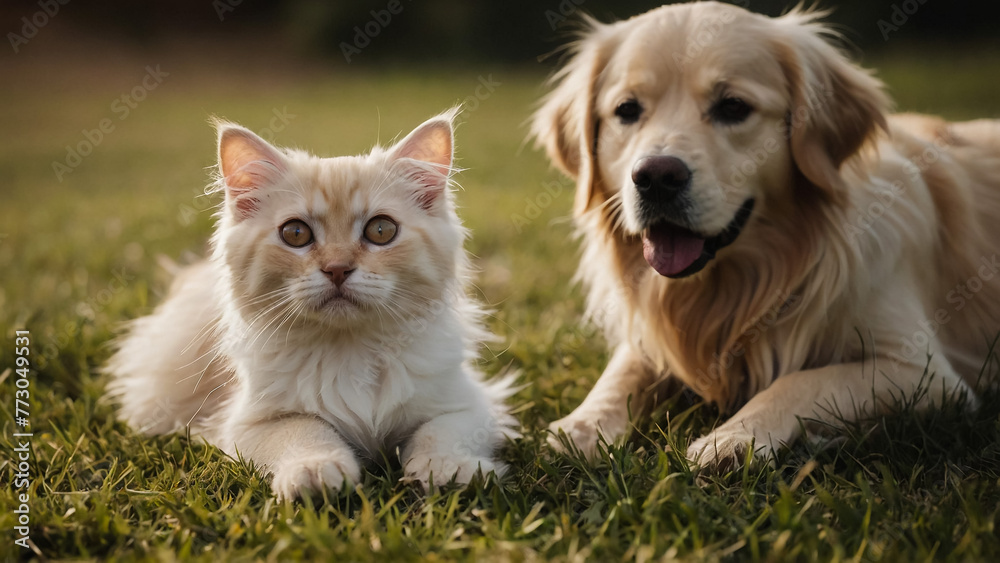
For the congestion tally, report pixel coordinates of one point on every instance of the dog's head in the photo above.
(690, 120)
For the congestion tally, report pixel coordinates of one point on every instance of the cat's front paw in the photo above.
(444, 469)
(312, 474)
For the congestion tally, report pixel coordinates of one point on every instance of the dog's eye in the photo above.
(731, 111)
(628, 111)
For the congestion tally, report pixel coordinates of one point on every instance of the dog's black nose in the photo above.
(660, 176)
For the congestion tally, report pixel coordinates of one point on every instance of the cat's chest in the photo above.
(370, 396)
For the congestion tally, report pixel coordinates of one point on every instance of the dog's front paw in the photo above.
(725, 448)
(423, 468)
(312, 474)
(585, 432)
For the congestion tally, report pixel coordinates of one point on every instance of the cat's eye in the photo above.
(628, 112)
(296, 233)
(730, 111)
(381, 230)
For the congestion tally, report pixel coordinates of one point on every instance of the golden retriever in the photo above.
(757, 226)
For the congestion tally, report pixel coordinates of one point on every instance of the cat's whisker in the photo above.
(414, 296)
(397, 316)
(201, 374)
(213, 350)
(267, 309)
(208, 395)
(378, 311)
(275, 318)
(266, 296)
(287, 315)
(402, 320)
(422, 309)
(200, 336)
(282, 303)
(396, 309)
(298, 313)
(277, 300)
(480, 290)
(282, 291)
(272, 323)
(206, 333)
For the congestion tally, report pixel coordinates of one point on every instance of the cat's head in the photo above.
(353, 243)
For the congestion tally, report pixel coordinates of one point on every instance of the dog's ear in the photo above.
(566, 124)
(835, 106)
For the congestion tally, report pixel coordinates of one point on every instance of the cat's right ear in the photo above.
(431, 145)
(247, 163)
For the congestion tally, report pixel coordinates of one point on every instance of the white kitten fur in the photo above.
(258, 349)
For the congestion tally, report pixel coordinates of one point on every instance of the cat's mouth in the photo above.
(338, 299)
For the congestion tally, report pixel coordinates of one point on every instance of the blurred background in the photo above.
(105, 146)
(453, 31)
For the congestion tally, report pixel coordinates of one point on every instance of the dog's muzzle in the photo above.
(674, 250)
(677, 252)
(661, 183)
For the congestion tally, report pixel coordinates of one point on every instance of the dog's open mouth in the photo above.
(676, 252)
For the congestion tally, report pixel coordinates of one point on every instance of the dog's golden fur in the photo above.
(869, 234)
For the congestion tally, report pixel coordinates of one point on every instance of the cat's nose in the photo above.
(338, 273)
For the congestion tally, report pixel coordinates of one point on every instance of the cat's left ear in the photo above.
(431, 146)
(247, 163)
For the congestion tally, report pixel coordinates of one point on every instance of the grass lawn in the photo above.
(79, 255)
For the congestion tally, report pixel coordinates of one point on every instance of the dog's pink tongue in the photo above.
(670, 250)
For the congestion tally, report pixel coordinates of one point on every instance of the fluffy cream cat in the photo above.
(330, 322)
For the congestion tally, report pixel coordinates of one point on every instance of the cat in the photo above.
(330, 322)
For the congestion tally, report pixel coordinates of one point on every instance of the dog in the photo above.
(756, 225)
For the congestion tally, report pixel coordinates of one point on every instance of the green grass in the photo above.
(906, 488)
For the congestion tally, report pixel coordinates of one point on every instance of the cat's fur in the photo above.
(272, 352)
